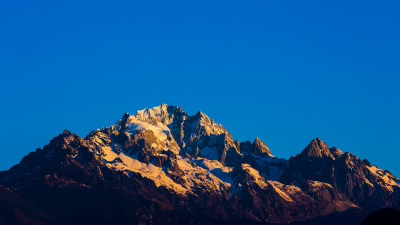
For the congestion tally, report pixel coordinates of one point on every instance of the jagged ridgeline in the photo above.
(162, 166)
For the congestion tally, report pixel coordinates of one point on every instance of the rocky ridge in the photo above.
(168, 167)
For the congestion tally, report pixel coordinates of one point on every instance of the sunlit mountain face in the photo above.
(163, 166)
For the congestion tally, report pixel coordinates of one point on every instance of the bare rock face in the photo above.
(271, 200)
(162, 166)
(362, 183)
(211, 140)
(258, 147)
(317, 149)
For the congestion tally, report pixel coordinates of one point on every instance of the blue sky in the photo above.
(286, 71)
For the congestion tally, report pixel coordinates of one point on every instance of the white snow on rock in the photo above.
(212, 175)
(217, 169)
(202, 172)
(209, 126)
(158, 113)
(386, 178)
(163, 135)
(279, 188)
(159, 130)
(284, 191)
(199, 178)
(150, 171)
(258, 179)
(273, 166)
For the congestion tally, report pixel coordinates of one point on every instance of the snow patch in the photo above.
(127, 163)
(386, 178)
(272, 167)
(218, 170)
(258, 179)
(278, 187)
(198, 177)
(159, 130)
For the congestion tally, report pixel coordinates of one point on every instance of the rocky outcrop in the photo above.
(258, 147)
(361, 182)
(317, 149)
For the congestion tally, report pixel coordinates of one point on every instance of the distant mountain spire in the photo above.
(260, 147)
(318, 149)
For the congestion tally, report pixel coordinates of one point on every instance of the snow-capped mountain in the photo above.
(162, 166)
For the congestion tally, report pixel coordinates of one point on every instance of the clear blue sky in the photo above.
(286, 71)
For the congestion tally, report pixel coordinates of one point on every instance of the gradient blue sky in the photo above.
(286, 71)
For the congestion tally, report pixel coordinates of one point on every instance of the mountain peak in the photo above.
(148, 112)
(318, 149)
(336, 152)
(66, 132)
(202, 118)
(126, 115)
(123, 122)
(260, 147)
(200, 114)
(163, 113)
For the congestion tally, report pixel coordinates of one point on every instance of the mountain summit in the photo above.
(163, 166)
(318, 149)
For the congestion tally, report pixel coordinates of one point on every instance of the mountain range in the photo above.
(163, 166)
